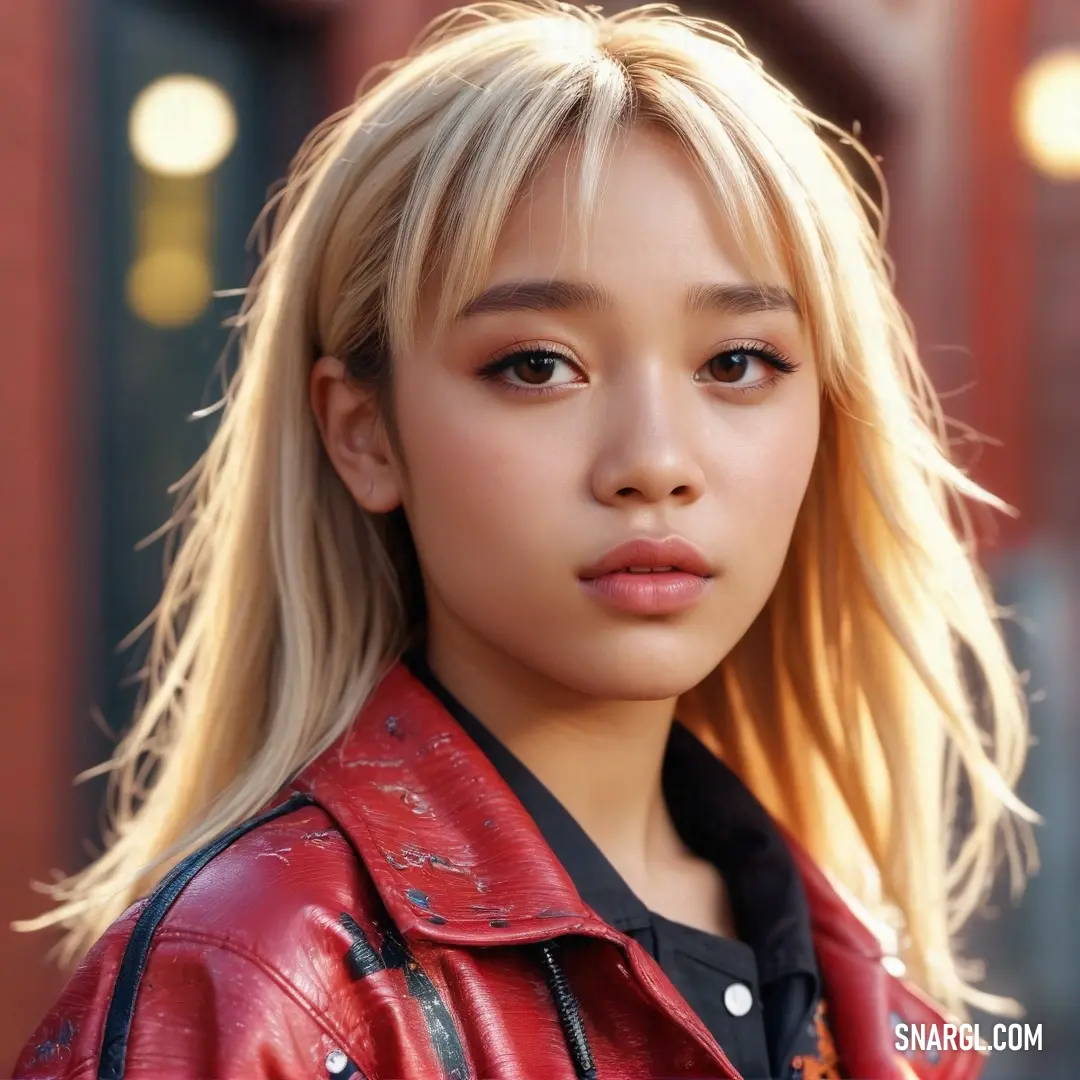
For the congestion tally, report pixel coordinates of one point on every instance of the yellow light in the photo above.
(182, 125)
(1047, 107)
(169, 287)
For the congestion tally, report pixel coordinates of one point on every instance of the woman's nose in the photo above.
(647, 452)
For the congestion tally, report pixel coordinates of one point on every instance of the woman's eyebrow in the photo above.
(725, 298)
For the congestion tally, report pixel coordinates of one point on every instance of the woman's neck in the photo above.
(602, 760)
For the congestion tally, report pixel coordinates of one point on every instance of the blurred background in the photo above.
(138, 141)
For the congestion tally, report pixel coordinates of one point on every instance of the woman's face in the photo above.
(634, 387)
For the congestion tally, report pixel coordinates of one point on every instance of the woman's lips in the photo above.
(660, 592)
(649, 553)
(650, 576)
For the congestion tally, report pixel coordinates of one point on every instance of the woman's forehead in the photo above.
(654, 219)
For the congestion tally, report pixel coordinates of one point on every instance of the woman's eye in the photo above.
(744, 368)
(533, 368)
(731, 367)
(544, 369)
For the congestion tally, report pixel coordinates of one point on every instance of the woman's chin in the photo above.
(637, 670)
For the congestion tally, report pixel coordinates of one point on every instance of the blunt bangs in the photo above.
(575, 85)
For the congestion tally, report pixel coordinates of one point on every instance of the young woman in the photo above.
(561, 672)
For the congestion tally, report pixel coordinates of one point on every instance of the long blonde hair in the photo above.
(846, 706)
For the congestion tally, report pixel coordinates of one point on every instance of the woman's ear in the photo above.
(349, 421)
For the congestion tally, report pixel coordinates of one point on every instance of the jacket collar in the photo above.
(450, 849)
(457, 860)
(452, 853)
(716, 816)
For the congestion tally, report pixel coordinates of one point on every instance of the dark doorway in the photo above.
(152, 358)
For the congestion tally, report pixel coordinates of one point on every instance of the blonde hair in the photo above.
(846, 706)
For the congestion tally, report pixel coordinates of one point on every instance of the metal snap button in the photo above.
(738, 1000)
(336, 1062)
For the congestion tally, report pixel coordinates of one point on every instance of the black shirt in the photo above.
(757, 995)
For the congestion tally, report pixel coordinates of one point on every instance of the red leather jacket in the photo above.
(398, 915)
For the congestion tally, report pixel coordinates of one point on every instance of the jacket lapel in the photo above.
(449, 848)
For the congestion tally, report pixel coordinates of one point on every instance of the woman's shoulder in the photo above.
(263, 883)
(248, 937)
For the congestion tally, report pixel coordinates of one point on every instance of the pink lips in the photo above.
(650, 577)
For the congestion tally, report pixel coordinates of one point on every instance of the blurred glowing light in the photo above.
(182, 125)
(169, 288)
(1048, 114)
(894, 966)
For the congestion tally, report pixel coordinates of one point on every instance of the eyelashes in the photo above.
(529, 369)
(738, 358)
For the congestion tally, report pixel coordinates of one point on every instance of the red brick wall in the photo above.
(368, 33)
(1000, 244)
(36, 583)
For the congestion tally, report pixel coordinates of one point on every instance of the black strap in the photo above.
(122, 1007)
